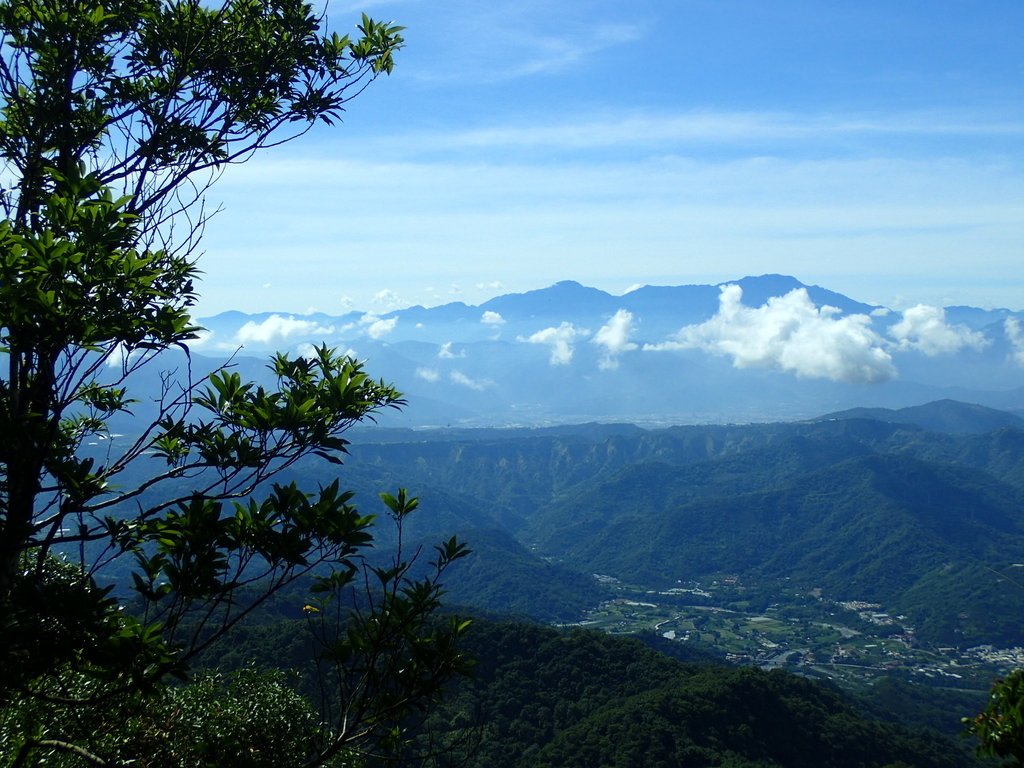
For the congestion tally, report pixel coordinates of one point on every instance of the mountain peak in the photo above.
(771, 281)
(757, 290)
(946, 415)
(559, 300)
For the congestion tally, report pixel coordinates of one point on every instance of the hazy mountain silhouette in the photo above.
(656, 355)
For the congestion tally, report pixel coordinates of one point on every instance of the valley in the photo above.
(852, 643)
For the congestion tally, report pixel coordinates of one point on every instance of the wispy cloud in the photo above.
(458, 377)
(488, 43)
(790, 334)
(553, 53)
(428, 374)
(739, 190)
(708, 127)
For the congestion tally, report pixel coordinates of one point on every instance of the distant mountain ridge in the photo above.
(570, 299)
(942, 416)
(753, 349)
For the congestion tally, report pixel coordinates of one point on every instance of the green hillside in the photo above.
(925, 522)
(546, 698)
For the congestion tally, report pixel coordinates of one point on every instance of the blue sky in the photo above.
(875, 148)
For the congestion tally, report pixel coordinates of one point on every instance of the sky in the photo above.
(875, 148)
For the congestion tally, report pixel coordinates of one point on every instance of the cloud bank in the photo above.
(924, 329)
(276, 329)
(790, 334)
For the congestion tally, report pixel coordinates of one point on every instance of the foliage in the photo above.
(542, 697)
(247, 718)
(928, 525)
(935, 708)
(115, 118)
(1000, 726)
(385, 654)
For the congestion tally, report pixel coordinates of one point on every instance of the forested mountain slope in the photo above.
(547, 698)
(927, 522)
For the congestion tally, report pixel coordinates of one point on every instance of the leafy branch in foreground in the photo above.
(999, 728)
(115, 119)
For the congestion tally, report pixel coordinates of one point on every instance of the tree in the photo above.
(115, 119)
(999, 728)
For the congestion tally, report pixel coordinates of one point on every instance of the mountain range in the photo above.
(897, 479)
(755, 349)
(923, 519)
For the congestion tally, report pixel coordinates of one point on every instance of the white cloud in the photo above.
(1015, 334)
(276, 329)
(458, 377)
(428, 374)
(791, 334)
(203, 338)
(387, 298)
(119, 356)
(445, 352)
(560, 340)
(717, 127)
(493, 285)
(492, 318)
(924, 329)
(376, 327)
(306, 350)
(614, 337)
